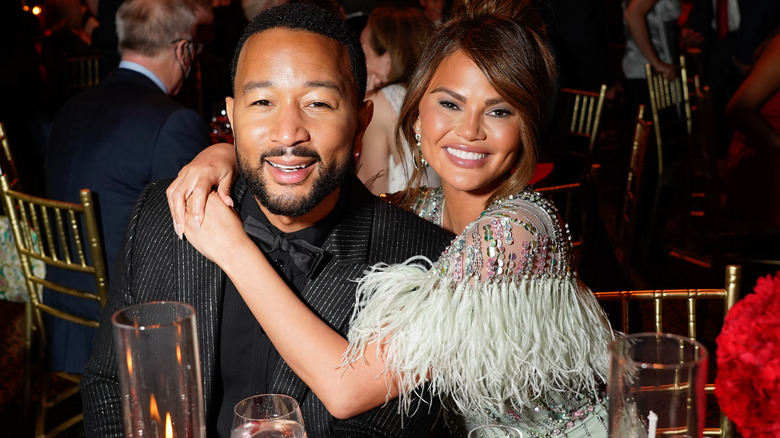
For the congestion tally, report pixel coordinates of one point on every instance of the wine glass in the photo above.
(268, 416)
(495, 431)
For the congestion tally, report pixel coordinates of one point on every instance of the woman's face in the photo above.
(470, 134)
(377, 66)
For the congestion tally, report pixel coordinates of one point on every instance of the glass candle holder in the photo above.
(656, 386)
(159, 370)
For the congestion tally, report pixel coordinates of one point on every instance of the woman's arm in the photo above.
(635, 16)
(744, 109)
(309, 346)
(374, 160)
(215, 165)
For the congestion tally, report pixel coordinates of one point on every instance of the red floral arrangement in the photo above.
(748, 352)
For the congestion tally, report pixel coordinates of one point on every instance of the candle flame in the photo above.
(178, 353)
(155, 414)
(129, 363)
(168, 426)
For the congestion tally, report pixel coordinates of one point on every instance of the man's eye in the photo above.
(261, 102)
(320, 105)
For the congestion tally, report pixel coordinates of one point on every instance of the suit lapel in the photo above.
(201, 283)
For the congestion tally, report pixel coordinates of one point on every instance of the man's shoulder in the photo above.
(400, 233)
(152, 203)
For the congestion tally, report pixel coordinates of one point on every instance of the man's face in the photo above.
(295, 118)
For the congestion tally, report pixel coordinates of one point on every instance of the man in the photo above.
(119, 136)
(298, 112)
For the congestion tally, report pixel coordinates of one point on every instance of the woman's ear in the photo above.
(387, 65)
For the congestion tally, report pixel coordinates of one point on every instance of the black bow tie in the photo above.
(304, 255)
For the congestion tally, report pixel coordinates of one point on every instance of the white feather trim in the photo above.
(481, 344)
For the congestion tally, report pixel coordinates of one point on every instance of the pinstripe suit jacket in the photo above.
(154, 265)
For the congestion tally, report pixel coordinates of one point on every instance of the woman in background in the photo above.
(753, 175)
(392, 41)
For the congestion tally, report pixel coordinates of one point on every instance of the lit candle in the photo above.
(168, 426)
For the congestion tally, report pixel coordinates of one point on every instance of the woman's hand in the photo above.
(214, 166)
(219, 234)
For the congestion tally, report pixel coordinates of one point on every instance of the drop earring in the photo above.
(418, 151)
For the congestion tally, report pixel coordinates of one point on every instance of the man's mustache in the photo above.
(296, 151)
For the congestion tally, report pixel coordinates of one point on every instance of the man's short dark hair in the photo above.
(308, 17)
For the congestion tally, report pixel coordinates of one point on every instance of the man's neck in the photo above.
(159, 66)
(288, 224)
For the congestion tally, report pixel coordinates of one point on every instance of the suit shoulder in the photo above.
(407, 234)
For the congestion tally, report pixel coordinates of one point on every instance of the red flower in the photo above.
(748, 352)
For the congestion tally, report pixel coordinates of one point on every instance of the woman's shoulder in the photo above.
(394, 94)
(520, 235)
(538, 214)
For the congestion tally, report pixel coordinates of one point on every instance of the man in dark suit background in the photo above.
(298, 111)
(117, 137)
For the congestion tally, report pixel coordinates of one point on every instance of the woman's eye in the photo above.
(500, 113)
(449, 105)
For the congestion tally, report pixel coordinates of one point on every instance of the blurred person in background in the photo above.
(753, 174)
(118, 136)
(392, 41)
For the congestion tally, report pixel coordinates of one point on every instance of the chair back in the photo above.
(729, 295)
(583, 117)
(62, 235)
(82, 71)
(7, 163)
(568, 200)
(628, 217)
(670, 105)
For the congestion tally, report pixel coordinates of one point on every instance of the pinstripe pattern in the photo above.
(154, 265)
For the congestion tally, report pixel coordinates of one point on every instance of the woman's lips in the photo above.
(465, 155)
(465, 158)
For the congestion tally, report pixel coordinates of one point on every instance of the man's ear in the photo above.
(229, 109)
(181, 52)
(365, 114)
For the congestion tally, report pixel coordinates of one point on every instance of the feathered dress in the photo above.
(499, 327)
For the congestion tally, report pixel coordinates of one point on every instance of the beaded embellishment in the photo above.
(487, 250)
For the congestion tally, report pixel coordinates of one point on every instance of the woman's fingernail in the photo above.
(177, 228)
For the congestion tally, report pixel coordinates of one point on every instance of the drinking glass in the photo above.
(656, 386)
(495, 431)
(159, 370)
(268, 416)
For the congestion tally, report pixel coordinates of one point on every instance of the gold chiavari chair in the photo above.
(728, 295)
(583, 117)
(670, 104)
(567, 198)
(7, 163)
(82, 71)
(627, 222)
(62, 235)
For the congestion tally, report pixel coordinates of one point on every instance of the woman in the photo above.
(392, 41)
(499, 327)
(753, 177)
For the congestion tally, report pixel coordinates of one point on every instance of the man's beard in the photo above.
(329, 179)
